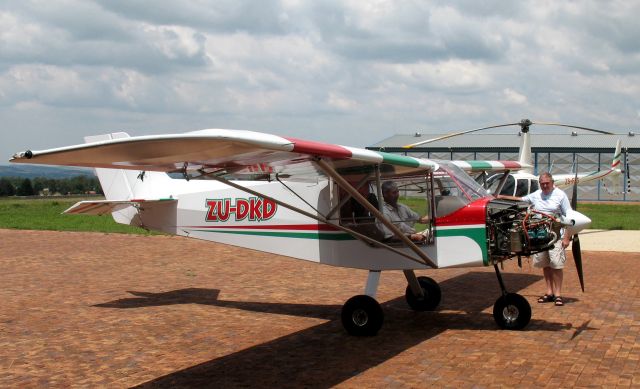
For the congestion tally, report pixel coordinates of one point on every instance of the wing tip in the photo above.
(27, 154)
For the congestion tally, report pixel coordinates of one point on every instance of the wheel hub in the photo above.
(360, 317)
(510, 313)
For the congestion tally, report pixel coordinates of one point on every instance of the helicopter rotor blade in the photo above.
(456, 134)
(524, 125)
(572, 126)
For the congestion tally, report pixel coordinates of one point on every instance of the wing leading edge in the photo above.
(240, 152)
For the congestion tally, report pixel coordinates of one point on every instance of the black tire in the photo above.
(512, 312)
(432, 295)
(362, 316)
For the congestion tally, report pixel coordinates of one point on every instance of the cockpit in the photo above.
(435, 194)
(513, 186)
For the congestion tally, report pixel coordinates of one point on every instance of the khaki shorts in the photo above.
(553, 258)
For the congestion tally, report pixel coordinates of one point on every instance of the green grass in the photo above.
(604, 216)
(612, 216)
(46, 214)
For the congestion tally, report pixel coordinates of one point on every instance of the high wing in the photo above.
(230, 151)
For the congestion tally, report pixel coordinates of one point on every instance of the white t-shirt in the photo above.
(556, 202)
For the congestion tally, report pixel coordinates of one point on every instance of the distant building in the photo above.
(554, 152)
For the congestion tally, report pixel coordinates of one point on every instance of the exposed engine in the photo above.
(515, 229)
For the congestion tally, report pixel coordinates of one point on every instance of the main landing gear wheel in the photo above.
(362, 316)
(431, 298)
(512, 311)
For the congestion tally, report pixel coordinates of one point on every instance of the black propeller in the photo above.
(575, 246)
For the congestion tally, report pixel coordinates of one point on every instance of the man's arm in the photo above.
(505, 197)
(565, 206)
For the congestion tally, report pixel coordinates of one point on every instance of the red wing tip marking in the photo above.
(319, 148)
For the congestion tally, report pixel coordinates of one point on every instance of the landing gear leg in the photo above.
(511, 311)
(423, 293)
(362, 315)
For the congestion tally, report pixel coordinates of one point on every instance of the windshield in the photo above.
(507, 188)
(456, 182)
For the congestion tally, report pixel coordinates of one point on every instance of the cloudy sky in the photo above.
(347, 72)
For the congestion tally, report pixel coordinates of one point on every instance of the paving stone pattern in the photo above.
(111, 310)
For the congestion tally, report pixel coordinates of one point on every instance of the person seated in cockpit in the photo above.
(400, 215)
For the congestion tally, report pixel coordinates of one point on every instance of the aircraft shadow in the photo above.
(210, 297)
(324, 355)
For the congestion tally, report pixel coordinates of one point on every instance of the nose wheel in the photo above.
(511, 311)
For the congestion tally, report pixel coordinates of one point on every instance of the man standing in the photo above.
(549, 199)
(400, 215)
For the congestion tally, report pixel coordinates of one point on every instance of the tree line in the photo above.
(19, 186)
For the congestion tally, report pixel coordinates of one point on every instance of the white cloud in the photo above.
(514, 97)
(340, 102)
(452, 75)
(298, 67)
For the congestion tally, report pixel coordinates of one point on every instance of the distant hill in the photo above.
(32, 171)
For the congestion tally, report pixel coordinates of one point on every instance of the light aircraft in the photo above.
(523, 181)
(318, 202)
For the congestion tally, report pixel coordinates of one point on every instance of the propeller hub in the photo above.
(524, 125)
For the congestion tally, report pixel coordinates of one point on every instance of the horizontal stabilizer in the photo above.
(101, 207)
(490, 166)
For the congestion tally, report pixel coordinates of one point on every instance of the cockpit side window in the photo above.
(522, 187)
(534, 186)
(509, 186)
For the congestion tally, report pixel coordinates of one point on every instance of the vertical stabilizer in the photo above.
(617, 156)
(525, 157)
(614, 184)
(121, 184)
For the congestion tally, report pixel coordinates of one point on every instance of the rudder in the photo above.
(122, 184)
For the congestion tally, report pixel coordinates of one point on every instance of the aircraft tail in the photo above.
(614, 184)
(124, 185)
(617, 156)
(525, 157)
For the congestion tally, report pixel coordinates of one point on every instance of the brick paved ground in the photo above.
(90, 309)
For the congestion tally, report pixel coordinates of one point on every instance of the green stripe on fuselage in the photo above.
(282, 234)
(477, 234)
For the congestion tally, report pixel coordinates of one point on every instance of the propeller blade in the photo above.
(575, 246)
(577, 257)
(570, 126)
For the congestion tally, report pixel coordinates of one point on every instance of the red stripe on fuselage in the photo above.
(297, 227)
(474, 213)
(319, 149)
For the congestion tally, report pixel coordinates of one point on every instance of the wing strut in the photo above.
(503, 179)
(347, 198)
(353, 192)
(325, 221)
